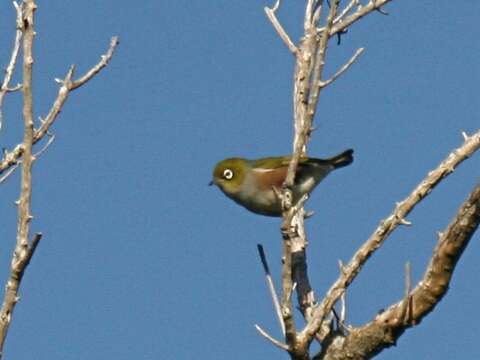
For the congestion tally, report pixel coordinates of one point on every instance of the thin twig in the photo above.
(342, 15)
(51, 138)
(317, 13)
(13, 60)
(407, 299)
(104, 60)
(270, 12)
(294, 287)
(8, 173)
(345, 11)
(311, 8)
(319, 66)
(372, 5)
(271, 338)
(381, 11)
(10, 158)
(271, 287)
(344, 68)
(343, 308)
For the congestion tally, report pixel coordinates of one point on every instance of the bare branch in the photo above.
(373, 5)
(385, 229)
(294, 210)
(388, 326)
(271, 287)
(344, 68)
(23, 153)
(63, 93)
(313, 11)
(305, 294)
(317, 12)
(271, 338)
(24, 215)
(51, 138)
(451, 244)
(270, 12)
(381, 11)
(310, 60)
(306, 95)
(11, 158)
(343, 309)
(308, 72)
(287, 286)
(13, 60)
(13, 89)
(104, 60)
(8, 173)
(309, 67)
(23, 250)
(345, 11)
(319, 66)
(407, 299)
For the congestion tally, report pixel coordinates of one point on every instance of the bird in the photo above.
(254, 184)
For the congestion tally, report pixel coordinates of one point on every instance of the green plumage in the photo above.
(251, 183)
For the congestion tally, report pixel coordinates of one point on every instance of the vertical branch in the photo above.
(23, 250)
(308, 73)
(293, 225)
(319, 65)
(309, 68)
(23, 152)
(287, 287)
(24, 215)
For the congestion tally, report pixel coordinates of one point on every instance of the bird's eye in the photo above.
(227, 174)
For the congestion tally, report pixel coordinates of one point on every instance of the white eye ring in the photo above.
(228, 174)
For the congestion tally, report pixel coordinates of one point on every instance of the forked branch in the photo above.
(68, 84)
(386, 227)
(22, 155)
(23, 249)
(310, 56)
(388, 326)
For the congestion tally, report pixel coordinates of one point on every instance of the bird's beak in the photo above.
(210, 183)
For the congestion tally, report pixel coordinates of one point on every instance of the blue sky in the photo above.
(141, 259)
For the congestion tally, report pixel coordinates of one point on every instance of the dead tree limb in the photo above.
(23, 156)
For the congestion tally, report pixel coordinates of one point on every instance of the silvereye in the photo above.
(251, 183)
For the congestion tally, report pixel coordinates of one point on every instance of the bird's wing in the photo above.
(276, 162)
(269, 178)
(271, 172)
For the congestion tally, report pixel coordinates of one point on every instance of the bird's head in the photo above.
(229, 175)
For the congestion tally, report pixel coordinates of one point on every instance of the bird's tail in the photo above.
(343, 159)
